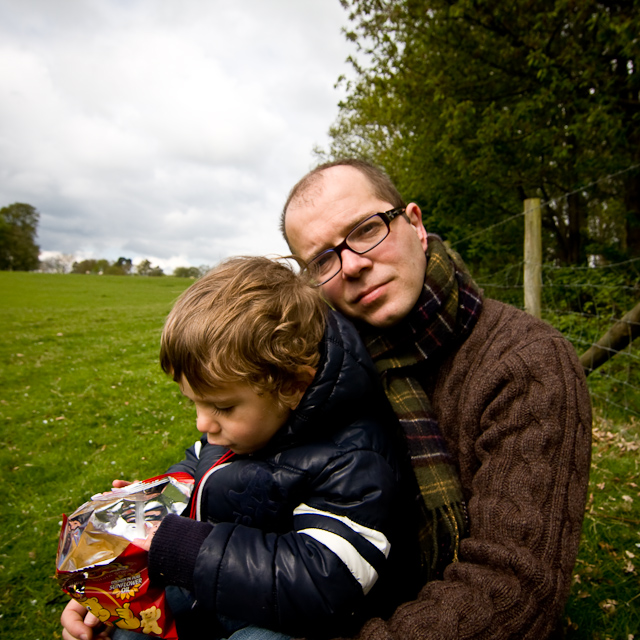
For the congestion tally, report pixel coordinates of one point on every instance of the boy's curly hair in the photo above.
(251, 320)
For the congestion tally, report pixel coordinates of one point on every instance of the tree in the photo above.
(125, 264)
(187, 272)
(60, 263)
(18, 227)
(472, 107)
(145, 268)
(91, 266)
(121, 267)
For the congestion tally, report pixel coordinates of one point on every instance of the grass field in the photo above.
(83, 401)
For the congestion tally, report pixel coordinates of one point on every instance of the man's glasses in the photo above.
(365, 236)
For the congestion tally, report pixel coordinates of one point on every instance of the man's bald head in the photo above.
(311, 184)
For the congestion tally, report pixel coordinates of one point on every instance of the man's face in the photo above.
(379, 287)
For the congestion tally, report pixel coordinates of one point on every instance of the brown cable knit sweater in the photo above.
(513, 405)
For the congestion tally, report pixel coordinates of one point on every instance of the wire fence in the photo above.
(583, 302)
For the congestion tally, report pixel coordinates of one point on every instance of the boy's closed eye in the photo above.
(221, 410)
(210, 405)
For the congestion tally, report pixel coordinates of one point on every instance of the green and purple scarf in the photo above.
(445, 313)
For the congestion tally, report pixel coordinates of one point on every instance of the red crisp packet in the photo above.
(99, 567)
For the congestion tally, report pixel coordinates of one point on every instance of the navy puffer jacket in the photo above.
(315, 533)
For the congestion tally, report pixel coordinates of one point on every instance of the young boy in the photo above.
(302, 520)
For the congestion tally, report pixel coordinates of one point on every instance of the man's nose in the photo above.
(354, 263)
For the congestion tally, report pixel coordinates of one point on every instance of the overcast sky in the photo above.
(170, 130)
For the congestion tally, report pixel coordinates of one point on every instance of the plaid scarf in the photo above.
(445, 313)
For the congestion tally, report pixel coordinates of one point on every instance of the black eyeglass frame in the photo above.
(386, 216)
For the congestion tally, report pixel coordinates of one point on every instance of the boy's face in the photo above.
(235, 416)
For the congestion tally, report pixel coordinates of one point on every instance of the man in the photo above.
(504, 390)
(494, 403)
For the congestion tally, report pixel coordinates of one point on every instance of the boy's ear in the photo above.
(298, 387)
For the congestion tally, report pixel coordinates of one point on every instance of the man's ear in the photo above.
(297, 387)
(414, 214)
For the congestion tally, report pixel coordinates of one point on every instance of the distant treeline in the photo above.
(120, 267)
(19, 251)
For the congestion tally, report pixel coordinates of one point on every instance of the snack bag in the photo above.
(99, 567)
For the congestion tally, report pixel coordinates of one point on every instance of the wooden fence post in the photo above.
(532, 257)
(621, 334)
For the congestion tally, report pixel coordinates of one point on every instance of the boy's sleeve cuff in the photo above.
(174, 550)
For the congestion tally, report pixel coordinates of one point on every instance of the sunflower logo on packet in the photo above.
(126, 588)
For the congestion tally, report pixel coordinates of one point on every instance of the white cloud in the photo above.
(170, 131)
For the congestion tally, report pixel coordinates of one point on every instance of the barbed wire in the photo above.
(615, 385)
(589, 285)
(487, 229)
(551, 266)
(546, 203)
(623, 407)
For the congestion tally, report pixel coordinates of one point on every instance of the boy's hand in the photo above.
(120, 484)
(116, 484)
(80, 624)
(145, 543)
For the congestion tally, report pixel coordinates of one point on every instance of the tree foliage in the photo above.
(18, 227)
(91, 266)
(57, 263)
(124, 265)
(145, 268)
(188, 272)
(472, 106)
(121, 267)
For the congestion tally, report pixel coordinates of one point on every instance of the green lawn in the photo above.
(83, 401)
